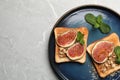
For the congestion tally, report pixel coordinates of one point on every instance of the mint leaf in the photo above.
(117, 53)
(82, 41)
(104, 28)
(90, 18)
(99, 19)
(80, 37)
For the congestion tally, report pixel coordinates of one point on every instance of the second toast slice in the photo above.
(108, 67)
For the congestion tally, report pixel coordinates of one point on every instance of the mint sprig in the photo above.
(80, 38)
(97, 22)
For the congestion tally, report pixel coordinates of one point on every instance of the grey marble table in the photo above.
(25, 27)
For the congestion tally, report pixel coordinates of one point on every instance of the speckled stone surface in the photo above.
(25, 27)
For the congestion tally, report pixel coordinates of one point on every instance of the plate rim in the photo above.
(58, 74)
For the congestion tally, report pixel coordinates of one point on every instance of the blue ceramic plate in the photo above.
(75, 18)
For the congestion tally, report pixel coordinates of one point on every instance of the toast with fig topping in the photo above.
(109, 66)
(65, 40)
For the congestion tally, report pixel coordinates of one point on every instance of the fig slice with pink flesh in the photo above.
(76, 51)
(67, 38)
(102, 50)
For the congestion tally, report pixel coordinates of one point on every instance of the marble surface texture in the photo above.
(25, 27)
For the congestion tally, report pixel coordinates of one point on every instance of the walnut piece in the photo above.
(62, 52)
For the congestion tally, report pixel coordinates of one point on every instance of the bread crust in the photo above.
(113, 37)
(60, 30)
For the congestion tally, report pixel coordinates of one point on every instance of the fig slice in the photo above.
(102, 50)
(75, 52)
(67, 39)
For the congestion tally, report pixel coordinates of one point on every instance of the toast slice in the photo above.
(64, 58)
(104, 69)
